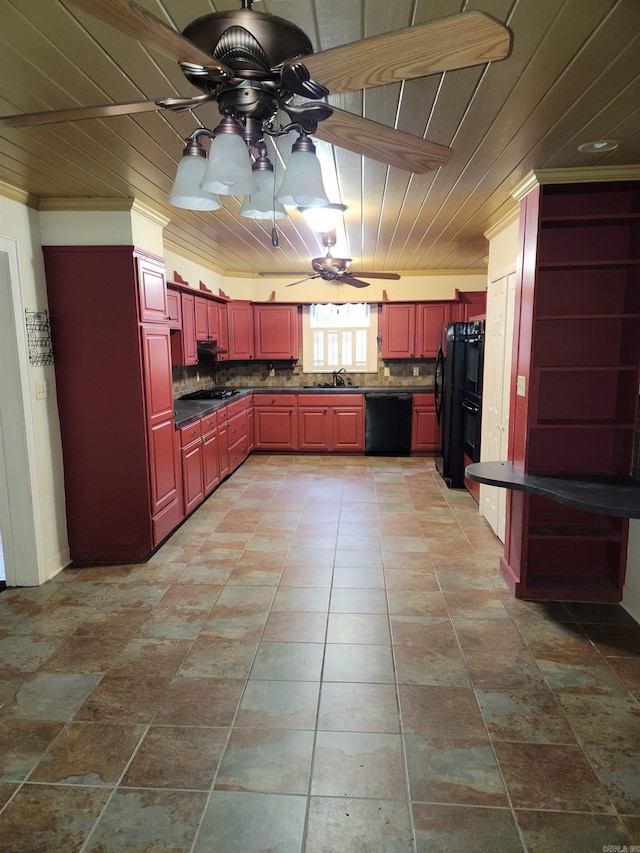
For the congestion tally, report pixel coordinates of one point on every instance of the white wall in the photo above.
(40, 491)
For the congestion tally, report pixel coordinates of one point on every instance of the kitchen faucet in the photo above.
(338, 381)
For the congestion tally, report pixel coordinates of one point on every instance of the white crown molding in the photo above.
(105, 205)
(14, 193)
(576, 175)
(503, 222)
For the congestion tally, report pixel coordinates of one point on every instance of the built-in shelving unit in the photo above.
(577, 346)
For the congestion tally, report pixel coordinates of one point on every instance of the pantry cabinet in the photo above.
(575, 379)
(113, 379)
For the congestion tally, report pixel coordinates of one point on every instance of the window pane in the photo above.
(332, 348)
(318, 348)
(361, 347)
(346, 356)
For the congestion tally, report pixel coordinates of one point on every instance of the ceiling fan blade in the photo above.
(307, 278)
(389, 275)
(458, 41)
(284, 274)
(382, 143)
(133, 20)
(78, 113)
(354, 282)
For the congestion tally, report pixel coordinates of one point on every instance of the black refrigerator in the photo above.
(449, 393)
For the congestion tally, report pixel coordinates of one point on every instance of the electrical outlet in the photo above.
(387, 372)
(272, 372)
(521, 386)
(416, 371)
(42, 390)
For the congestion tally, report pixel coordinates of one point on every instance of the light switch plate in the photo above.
(416, 371)
(521, 386)
(387, 371)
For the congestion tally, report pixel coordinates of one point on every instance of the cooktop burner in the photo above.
(210, 394)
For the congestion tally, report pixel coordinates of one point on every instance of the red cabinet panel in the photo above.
(430, 318)
(398, 330)
(240, 331)
(183, 343)
(275, 422)
(425, 432)
(153, 291)
(275, 331)
(174, 309)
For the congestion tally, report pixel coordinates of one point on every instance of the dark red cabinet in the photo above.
(331, 422)
(413, 329)
(275, 332)
(240, 331)
(275, 422)
(425, 431)
(113, 379)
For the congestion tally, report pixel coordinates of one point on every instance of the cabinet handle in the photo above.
(325, 411)
(194, 431)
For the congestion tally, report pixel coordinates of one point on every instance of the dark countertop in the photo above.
(609, 496)
(187, 411)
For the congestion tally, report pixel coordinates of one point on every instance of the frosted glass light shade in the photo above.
(262, 204)
(323, 219)
(228, 169)
(302, 183)
(186, 191)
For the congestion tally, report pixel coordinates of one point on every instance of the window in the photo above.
(340, 336)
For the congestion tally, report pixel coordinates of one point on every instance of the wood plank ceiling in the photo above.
(573, 76)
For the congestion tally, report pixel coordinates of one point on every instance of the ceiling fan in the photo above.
(253, 64)
(333, 269)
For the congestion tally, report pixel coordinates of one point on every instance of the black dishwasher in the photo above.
(387, 423)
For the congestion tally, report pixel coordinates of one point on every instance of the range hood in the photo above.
(209, 348)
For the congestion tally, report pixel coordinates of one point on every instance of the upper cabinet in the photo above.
(152, 291)
(240, 327)
(413, 329)
(275, 331)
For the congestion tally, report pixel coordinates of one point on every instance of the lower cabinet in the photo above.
(425, 430)
(211, 448)
(210, 455)
(275, 422)
(192, 474)
(331, 422)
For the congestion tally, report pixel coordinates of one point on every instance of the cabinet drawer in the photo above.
(237, 427)
(236, 406)
(190, 433)
(322, 400)
(209, 422)
(425, 401)
(266, 400)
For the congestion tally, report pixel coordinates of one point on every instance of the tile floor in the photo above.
(323, 658)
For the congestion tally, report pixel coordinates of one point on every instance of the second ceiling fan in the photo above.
(333, 269)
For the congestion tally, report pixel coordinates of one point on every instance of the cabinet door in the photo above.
(398, 330)
(275, 428)
(425, 434)
(314, 428)
(156, 351)
(348, 428)
(275, 331)
(183, 342)
(192, 479)
(153, 292)
(240, 329)
(213, 320)
(201, 307)
(174, 309)
(429, 322)
(210, 461)
(223, 449)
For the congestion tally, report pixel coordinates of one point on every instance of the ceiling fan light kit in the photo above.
(302, 185)
(323, 219)
(263, 204)
(187, 191)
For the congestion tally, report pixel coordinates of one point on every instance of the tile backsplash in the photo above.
(250, 374)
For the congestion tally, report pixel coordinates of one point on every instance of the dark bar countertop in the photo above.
(605, 495)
